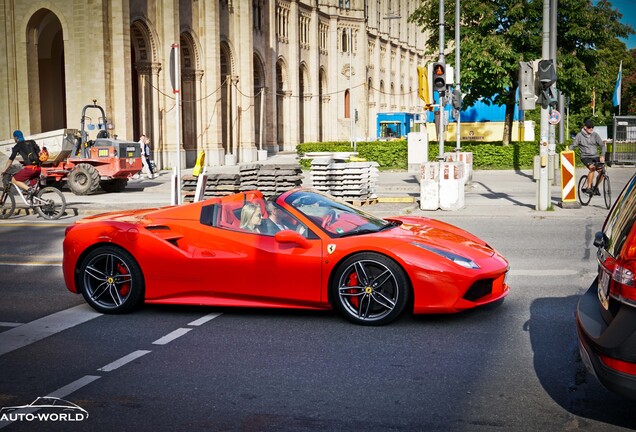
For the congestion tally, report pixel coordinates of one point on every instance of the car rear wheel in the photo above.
(369, 289)
(110, 280)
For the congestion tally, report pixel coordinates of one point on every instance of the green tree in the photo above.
(497, 34)
(629, 87)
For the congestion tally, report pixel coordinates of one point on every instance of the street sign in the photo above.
(554, 118)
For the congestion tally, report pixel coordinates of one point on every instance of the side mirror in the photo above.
(599, 239)
(289, 236)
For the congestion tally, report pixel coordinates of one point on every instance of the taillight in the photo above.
(623, 286)
(619, 365)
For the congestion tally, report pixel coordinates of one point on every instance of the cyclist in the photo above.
(587, 140)
(29, 171)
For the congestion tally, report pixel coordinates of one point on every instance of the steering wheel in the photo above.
(329, 218)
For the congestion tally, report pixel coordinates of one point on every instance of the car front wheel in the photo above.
(370, 289)
(111, 280)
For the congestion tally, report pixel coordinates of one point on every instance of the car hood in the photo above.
(439, 235)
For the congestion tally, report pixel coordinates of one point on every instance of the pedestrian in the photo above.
(589, 143)
(144, 142)
(29, 151)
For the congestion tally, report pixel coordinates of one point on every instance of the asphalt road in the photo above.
(513, 367)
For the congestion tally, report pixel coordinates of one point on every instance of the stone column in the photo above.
(119, 69)
(158, 141)
(210, 107)
(291, 138)
(311, 125)
(244, 45)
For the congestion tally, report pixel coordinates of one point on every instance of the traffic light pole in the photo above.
(458, 145)
(543, 193)
(442, 93)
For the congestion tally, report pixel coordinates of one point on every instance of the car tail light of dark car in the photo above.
(623, 282)
(618, 365)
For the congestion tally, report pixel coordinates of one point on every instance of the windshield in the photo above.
(335, 217)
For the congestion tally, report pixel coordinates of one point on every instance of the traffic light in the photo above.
(457, 99)
(527, 92)
(547, 77)
(439, 77)
(547, 73)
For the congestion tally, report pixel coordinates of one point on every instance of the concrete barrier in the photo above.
(451, 185)
(429, 186)
(466, 158)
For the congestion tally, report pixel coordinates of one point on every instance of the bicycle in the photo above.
(586, 197)
(48, 202)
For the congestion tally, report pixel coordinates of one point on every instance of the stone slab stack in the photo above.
(270, 179)
(354, 182)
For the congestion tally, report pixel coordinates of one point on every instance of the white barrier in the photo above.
(429, 186)
(466, 158)
(451, 185)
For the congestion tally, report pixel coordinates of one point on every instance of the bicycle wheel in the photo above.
(7, 205)
(50, 203)
(607, 191)
(584, 197)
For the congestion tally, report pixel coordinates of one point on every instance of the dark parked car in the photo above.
(606, 314)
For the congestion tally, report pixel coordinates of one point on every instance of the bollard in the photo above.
(568, 180)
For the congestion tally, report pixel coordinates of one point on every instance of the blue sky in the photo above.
(628, 9)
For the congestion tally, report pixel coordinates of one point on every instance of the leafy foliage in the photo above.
(394, 154)
(497, 35)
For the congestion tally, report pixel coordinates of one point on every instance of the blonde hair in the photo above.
(247, 212)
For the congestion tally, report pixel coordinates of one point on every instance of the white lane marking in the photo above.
(549, 272)
(10, 324)
(204, 319)
(62, 392)
(39, 329)
(124, 360)
(171, 336)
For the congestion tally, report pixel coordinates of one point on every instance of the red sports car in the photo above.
(303, 250)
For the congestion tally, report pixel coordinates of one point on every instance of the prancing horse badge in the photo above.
(331, 248)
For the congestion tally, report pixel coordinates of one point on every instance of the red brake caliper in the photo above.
(353, 281)
(125, 288)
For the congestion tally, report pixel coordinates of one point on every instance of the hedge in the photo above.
(393, 154)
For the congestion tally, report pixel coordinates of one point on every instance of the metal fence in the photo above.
(624, 141)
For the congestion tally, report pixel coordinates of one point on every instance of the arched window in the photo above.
(347, 104)
(345, 41)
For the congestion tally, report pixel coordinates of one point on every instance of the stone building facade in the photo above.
(253, 74)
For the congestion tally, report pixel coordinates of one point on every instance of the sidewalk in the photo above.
(499, 193)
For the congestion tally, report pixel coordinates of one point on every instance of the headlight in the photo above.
(457, 259)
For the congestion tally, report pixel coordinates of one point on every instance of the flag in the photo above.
(617, 90)
(593, 104)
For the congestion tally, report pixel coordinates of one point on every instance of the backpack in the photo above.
(33, 153)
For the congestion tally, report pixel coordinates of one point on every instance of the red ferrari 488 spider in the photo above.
(302, 249)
